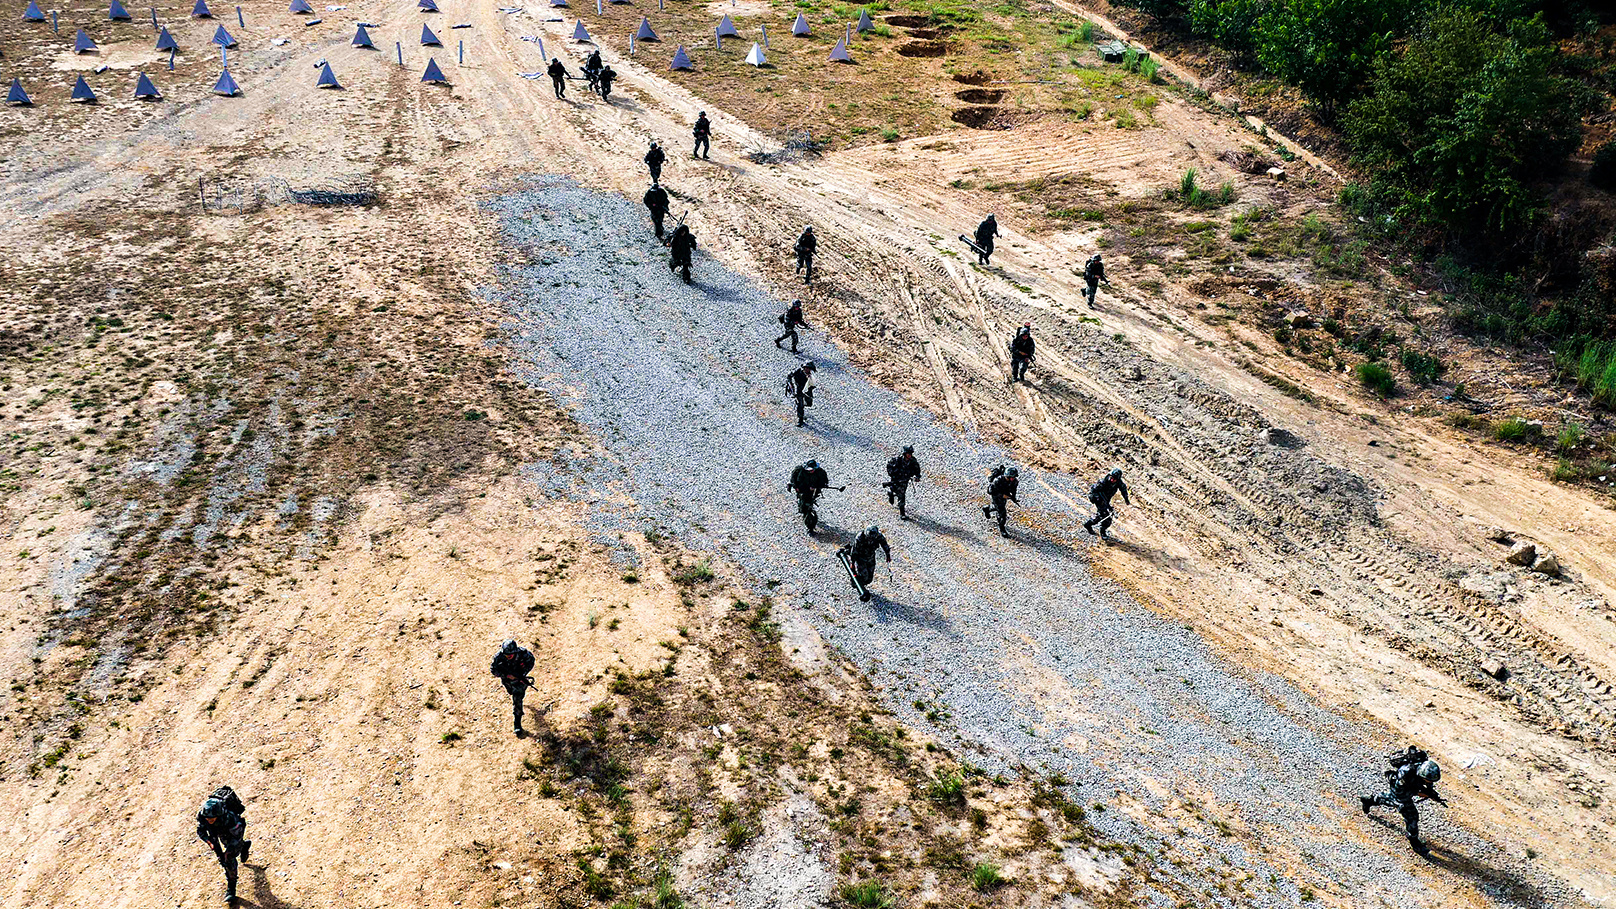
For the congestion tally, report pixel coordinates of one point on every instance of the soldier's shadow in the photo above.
(886, 610)
(947, 530)
(265, 899)
(1505, 886)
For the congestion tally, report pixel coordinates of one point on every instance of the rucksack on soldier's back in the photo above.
(232, 802)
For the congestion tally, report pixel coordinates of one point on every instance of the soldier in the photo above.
(512, 665)
(653, 160)
(860, 558)
(901, 471)
(703, 131)
(1022, 350)
(683, 244)
(1411, 778)
(606, 77)
(805, 247)
(1093, 274)
(1002, 485)
(800, 385)
(558, 76)
(792, 320)
(221, 823)
(592, 71)
(1101, 495)
(656, 199)
(985, 232)
(808, 480)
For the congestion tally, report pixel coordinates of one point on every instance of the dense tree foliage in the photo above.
(1326, 47)
(1462, 118)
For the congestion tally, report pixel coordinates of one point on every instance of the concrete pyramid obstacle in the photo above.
(82, 93)
(117, 13)
(755, 55)
(681, 60)
(579, 33)
(32, 14)
(428, 6)
(433, 75)
(82, 43)
(300, 6)
(644, 33)
(145, 90)
(165, 41)
(200, 10)
(839, 54)
(361, 38)
(328, 79)
(726, 28)
(428, 39)
(800, 27)
(558, 2)
(222, 38)
(864, 23)
(17, 96)
(226, 85)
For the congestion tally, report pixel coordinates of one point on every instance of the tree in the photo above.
(1459, 122)
(1326, 47)
(1232, 24)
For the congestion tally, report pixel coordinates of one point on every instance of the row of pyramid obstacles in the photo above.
(82, 93)
(83, 43)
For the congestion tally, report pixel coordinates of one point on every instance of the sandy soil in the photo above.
(1385, 622)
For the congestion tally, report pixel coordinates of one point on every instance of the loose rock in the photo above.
(1495, 668)
(1547, 564)
(1523, 553)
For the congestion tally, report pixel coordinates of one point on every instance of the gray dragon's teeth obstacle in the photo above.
(864, 23)
(361, 38)
(17, 97)
(755, 55)
(644, 32)
(681, 60)
(33, 13)
(433, 75)
(839, 54)
(328, 79)
(800, 27)
(726, 28)
(579, 33)
(165, 41)
(427, 6)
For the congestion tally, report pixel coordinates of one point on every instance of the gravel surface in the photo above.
(1037, 663)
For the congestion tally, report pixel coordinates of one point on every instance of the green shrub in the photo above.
(1085, 32)
(867, 895)
(1377, 378)
(1594, 369)
(1513, 429)
(1423, 368)
(1150, 69)
(986, 877)
(1603, 172)
(947, 789)
(1570, 436)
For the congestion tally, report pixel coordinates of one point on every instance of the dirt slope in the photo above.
(1411, 597)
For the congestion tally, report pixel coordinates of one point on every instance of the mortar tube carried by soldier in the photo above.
(1100, 494)
(792, 319)
(653, 160)
(511, 666)
(656, 201)
(1003, 484)
(985, 232)
(901, 471)
(1022, 352)
(558, 77)
(808, 480)
(682, 244)
(807, 244)
(1412, 777)
(859, 559)
(222, 824)
(703, 132)
(800, 386)
(1093, 274)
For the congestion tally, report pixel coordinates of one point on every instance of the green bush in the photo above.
(1230, 23)
(947, 789)
(1594, 369)
(1603, 172)
(1513, 429)
(1326, 47)
(867, 895)
(1462, 120)
(1150, 69)
(1570, 436)
(986, 877)
(1423, 368)
(1376, 378)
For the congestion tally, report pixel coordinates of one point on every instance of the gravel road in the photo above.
(1036, 662)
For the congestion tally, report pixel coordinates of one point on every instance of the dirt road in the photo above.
(1383, 516)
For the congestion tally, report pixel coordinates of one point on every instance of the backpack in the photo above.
(895, 467)
(232, 802)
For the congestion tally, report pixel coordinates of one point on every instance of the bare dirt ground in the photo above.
(265, 519)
